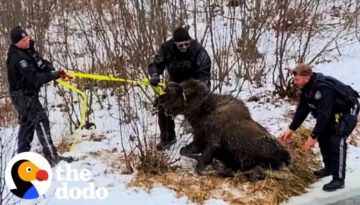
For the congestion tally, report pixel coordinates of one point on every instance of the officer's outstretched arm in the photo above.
(302, 111)
(30, 73)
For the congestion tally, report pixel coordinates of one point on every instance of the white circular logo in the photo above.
(28, 175)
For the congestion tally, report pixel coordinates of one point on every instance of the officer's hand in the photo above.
(310, 143)
(154, 79)
(64, 75)
(286, 136)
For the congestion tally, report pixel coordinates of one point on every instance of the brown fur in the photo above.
(223, 129)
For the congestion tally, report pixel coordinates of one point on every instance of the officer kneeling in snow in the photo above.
(27, 72)
(335, 107)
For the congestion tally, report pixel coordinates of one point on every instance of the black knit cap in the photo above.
(181, 34)
(17, 34)
(302, 69)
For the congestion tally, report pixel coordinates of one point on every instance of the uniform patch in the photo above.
(23, 64)
(317, 95)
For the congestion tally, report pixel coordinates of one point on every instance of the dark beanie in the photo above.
(181, 34)
(17, 34)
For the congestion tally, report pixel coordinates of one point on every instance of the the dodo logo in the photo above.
(28, 175)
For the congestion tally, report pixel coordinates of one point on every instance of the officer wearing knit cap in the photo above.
(27, 72)
(181, 38)
(181, 34)
(17, 34)
(183, 58)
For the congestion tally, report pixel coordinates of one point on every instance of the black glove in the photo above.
(154, 80)
(49, 66)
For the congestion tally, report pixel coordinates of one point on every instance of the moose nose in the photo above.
(42, 175)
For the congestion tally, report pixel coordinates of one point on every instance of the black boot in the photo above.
(53, 162)
(322, 173)
(67, 159)
(334, 185)
(56, 157)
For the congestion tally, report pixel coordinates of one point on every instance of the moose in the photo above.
(222, 129)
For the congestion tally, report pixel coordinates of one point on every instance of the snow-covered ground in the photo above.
(272, 115)
(96, 155)
(103, 158)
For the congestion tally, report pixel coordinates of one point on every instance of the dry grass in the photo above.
(196, 188)
(65, 144)
(354, 138)
(278, 186)
(294, 181)
(153, 162)
(148, 161)
(9, 116)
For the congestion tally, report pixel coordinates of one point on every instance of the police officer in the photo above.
(335, 107)
(27, 72)
(183, 58)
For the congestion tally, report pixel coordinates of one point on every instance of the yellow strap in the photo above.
(337, 118)
(157, 89)
(84, 97)
(83, 110)
(145, 81)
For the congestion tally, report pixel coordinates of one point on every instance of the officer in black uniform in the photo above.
(27, 72)
(335, 107)
(183, 58)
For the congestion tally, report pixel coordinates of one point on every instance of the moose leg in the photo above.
(226, 172)
(223, 170)
(191, 151)
(205, 159)
(257, 173)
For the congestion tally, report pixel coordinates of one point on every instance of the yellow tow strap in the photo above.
(83, 110)
(84, 97)
(337, 118)
(145, 82)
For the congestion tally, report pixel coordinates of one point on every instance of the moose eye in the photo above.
(28, 169)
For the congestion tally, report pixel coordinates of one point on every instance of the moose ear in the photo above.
(192, 86)
(173, 87)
